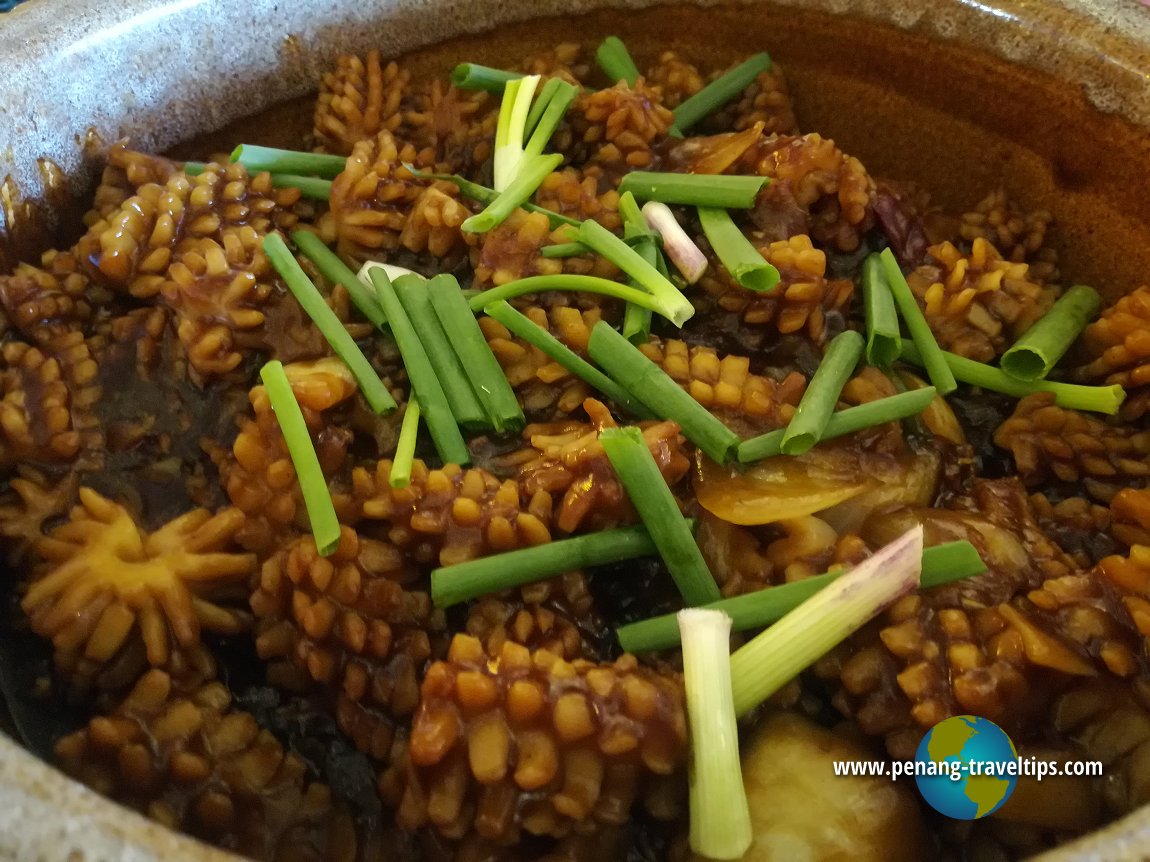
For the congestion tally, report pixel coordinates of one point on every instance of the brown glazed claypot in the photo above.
(1049, 99)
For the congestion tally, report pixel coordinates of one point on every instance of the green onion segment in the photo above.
(776, 656)
(532, 172)
(482, 368)
(432, 401)
(373, 389)
(882, 330)
(636, 468)
(941, 564)
(719, 815)
(741, 259)
(472, 76)
(462, 582)
(699, 190)
(817, 406)
(720, 91)
(648, 383)
(338, 272)
(400, 476)
(848, 421)
(616, 62)
(453, 376)
(316, 499)
(519, 324)
(1098, 399)
(1036, 353)
(276, 161)
(936, 366)
(509, 133)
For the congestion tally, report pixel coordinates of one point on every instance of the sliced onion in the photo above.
(777, 489)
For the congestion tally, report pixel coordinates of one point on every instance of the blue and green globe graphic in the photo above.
(958, 789)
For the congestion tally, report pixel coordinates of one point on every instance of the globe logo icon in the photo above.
(966, 767)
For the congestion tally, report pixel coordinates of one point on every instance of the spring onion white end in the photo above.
(389, 269)
(720, 816)
(810, 631)
(509, 133)
(680, 248)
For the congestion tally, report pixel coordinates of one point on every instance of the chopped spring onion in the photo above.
(483, 369)
(521, 325)
(671, 302)
(941, 564)
(817, 406)
(564, 249)
(313, 485)
(546, 93)
(277, 161)
(338, 272)
(741, 259)
(720, 91)
(697, 190)
(635, 465)
(472, 76)
(532, 172)
(574, 283)
(636, 320)
(513, 113)
(616, 62)
(719, 814)
(680, 248)
(1072, 396)
(194, 169)
(484, 195)
(560, 99)
(771, 659)
(453, 376)
(1037, 352)
(648, 383)
(309, 187)
(936, 367)
(462, 582)
(894, 407)
(882, 332)
(433, 404)
(400, 476)
(373, 389)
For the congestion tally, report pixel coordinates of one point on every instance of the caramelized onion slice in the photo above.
(778, 488)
